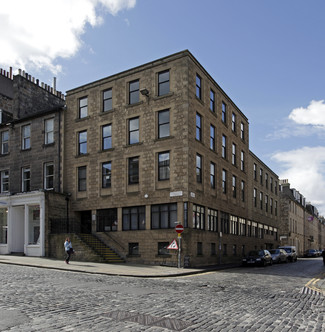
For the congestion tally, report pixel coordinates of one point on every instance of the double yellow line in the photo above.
(312, 284)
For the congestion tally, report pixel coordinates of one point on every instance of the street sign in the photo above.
(179, 228)
(173, 245)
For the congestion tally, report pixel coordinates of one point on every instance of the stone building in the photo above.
(30, 156)
(159, 145)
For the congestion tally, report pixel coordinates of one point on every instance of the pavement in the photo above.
(123, 269)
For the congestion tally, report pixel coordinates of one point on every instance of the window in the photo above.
(266, 203)
(163, 83)
(212, 175)
(233, 122)
(164, 216)
(242, 189)
(198, 168)
(83, 107)
(224, 147)
(225, 249)
(49, 131)
(134, 131)
(134, 87)
(26, 179)
(82, 178)
(234, 186)
(212, 138)
(134, 170)
(198, 87)
(133, 248)
(107, 137)
(213, 249)
(106, 220)
(107, 100)
(162, 248)
(34, 224)
(242, 131)
(234, 250)
(271, 205)
(3, 226)
(261, 176)
(261, 201)
(224, 113)
(4, 181)
(198, 217)
(212, 220)
(199, 249)
(163, 166)
(5, 142)
(276, 187)
(255, 197)
(163, 124)
(242, 227)
(106, 174)
(242, 161)
(26, 137)
(276, 208)
(271, 184)
(224, 181)
(198, 134)
(212, 101)
(225, 222)
(266, 180)
(82, 142)
(48, 176)
(233, 158)
(134, 218)
(255, 171)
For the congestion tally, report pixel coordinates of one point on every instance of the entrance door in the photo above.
(17, 229)
(85, 221)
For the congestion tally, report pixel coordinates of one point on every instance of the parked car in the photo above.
(258, 257)
(311, 253)
(279, 255)
(291, 251)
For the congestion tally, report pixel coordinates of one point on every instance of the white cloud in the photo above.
(36, 32)
(305, 170)
(313, 115)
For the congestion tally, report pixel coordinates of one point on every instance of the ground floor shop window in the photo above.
(164, 216)
(3, 226)
(212, 220)
(213, 249)
(134, 218)
(162, 248)
(106, 220)
(199, 249)
(133, 249)
(34, 225)
(198, 217)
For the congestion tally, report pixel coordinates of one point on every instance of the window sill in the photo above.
(107, 150)
(135, 104)
(82, 155)
(24, 150)
(163, 96)
(82, 119)
(107, 112)
(48, 145)
(199, 100)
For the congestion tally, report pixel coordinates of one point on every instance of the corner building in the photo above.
(155, 146)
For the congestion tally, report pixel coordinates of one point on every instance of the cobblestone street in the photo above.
(241, 299)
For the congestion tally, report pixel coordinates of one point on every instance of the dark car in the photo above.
(258, 257)
(311, 253)
(279, 255)
(292, 253)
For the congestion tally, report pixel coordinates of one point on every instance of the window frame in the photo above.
(82, 143)
(198, 127)
(134, 93)
(212, 137)
(163, 169)
(198, 164)
(224, 112)
(133, 170)
(4, 142)
(106, 172)
(134, 134)
(134, 218)
(48, 132)
(224, 181)
(108, 100)
(168, 210)
(212, 101)
(48, 177)
(82, 178)
(224, 147)
(163, 123)
(26, 179)
(26, 137)
(4, 181)
(82, 109)
(106, 138)
(198, 86)
(212, 175)
(162, 83)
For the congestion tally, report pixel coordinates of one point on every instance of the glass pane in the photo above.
(163, 88)
(108, 105)
(134, 124)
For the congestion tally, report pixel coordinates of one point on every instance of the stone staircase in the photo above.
(107, 254)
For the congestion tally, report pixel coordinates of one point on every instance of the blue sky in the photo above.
(268, 56)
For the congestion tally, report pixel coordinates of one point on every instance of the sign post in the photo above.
(179, 229)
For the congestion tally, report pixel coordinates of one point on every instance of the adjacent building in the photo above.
(30, 157)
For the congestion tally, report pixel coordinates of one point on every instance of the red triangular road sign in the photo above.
(173, 245)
